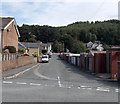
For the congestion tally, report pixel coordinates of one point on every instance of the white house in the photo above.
(47, 46)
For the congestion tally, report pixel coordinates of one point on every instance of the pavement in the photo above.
(13, 73)
(105, 77)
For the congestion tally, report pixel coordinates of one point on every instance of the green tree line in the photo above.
(73, 35)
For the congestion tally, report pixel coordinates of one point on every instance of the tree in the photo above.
(77, 47)
(105, 31)
(58, 46)
(32, 40)
(83, 36)
(92, 37)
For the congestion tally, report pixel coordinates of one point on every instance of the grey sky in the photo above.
(59, 12)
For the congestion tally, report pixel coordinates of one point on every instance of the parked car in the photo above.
(50, 54)
(25, 54)
(45, 58)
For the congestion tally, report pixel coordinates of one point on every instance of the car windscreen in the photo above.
(44, 57)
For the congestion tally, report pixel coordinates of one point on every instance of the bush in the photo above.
(94, 49)
(11, 49)
(87, 50)
(21, 50)
(35, 55)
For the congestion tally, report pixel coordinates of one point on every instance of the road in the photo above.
(57, 81)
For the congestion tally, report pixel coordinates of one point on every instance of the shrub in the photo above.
(87, 50)
(94, 49)
(21, 50)
(35, 55)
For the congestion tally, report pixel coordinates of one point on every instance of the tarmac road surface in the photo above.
(57, 81)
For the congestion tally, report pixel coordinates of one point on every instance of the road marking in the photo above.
(42, 76)
(69, 87)
(7, 82)
(103, 89)
(35, 84)
(21, 83)
(78, 87)
(117, 90)
(84, 86)
(89, 88)
(46, 85)
(59, 83)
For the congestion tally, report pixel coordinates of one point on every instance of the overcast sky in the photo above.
(59, 12)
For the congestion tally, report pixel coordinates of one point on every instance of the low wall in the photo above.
(19, 61)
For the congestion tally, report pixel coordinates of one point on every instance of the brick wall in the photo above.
(19, 61)
(23, 60)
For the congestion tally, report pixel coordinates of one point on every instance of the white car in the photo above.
(45, 58)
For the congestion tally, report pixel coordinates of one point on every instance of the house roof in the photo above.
(20, 45)
(6, 21)
(31, 45)
(93, 52)
(45, 44)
